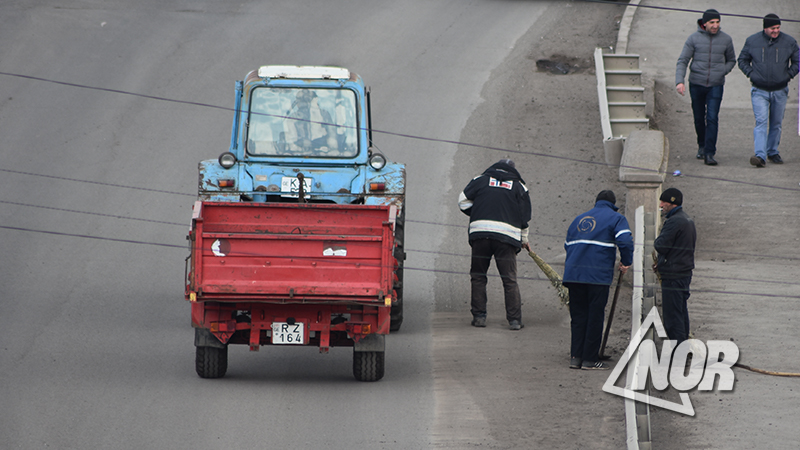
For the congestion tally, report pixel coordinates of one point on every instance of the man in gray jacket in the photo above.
(712, 57)
(769, 59)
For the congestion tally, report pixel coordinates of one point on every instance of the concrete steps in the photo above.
(621, 94)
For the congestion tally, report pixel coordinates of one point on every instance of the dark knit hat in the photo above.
(673, 196)
(606, 195)
(509, 162)
(710, 14)
(770, 20)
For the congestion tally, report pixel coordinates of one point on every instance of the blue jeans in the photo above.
(706, 102)
(768, 107)
(587, 309)
(674, 294)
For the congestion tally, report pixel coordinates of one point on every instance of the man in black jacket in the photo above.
(675, 247)
(769, 59)
(499, 209)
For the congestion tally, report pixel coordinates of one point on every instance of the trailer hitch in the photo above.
(301, 194)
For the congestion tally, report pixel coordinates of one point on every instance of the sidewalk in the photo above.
(500, 389)
(745, 285)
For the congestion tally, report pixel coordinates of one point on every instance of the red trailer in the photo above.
(291, 274)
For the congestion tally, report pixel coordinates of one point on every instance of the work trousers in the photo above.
(706, 102)
(505, 257)
(587, 310)
(674, 296)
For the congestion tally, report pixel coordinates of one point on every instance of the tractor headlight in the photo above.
(377, 161)
(227, 160)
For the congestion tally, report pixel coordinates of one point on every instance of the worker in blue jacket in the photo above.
(591, 245)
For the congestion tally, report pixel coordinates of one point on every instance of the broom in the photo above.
(553, 276)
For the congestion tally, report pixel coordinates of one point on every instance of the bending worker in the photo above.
(591, 244)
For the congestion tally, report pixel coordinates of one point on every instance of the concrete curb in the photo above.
(625, 27)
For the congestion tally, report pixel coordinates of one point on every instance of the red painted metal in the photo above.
(273, 262)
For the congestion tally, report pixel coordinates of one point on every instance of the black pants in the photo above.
(505, 257)
(587, 310)
(706, 102)
(674, 294)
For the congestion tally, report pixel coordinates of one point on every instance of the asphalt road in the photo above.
(98, 156)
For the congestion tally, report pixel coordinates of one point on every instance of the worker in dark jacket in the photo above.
(499, 208)
(591, 245)
(769, 59)
(712, 57)
(675, 247)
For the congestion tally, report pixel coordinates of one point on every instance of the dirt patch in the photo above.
(564, 65)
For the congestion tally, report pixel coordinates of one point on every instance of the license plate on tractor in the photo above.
(290, 186)
(286, 333)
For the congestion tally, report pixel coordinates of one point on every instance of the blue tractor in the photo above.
(303, 134)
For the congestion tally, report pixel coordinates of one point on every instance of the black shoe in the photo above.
(710, 161)
(575, 362)
(597, 365)
(701, 153)
(756, 161)
(479, 322)
(776, 159)
(516, 325)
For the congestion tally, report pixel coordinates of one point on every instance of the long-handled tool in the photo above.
(610, 317)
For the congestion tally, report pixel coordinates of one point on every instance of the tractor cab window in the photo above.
(302, 122)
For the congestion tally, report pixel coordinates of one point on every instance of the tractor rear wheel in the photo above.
(368, 366)
(400, 256)
(211, 362)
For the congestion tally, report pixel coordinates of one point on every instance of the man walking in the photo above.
(712, 57)
(675, 247)
(499, 208)
(588, 273)
(769, 59)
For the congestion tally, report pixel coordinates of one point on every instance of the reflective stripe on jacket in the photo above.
(591, 245)
(498, 205)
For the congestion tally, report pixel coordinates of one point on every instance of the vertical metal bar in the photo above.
(368, 93)
(236, 116)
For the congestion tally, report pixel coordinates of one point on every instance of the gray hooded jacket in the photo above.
(712, 57)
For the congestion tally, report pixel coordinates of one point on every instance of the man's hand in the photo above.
(526, 246)
(681, 88)
(623, 269)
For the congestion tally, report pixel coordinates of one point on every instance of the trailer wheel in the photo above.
(368, 366)
(211, 362)
(400, 256)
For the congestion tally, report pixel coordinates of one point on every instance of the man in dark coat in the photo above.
(712, 57)
(769, 59)
(675, 247)
(499, 208)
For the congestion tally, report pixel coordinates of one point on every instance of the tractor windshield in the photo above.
(313, 122)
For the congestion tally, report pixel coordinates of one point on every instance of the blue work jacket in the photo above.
(592, 242)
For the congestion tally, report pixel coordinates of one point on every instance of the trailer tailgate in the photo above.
(291, 253)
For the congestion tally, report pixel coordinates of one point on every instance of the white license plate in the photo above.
(285, 333)
(292, 184)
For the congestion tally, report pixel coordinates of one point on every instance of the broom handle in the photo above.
(611, 314)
